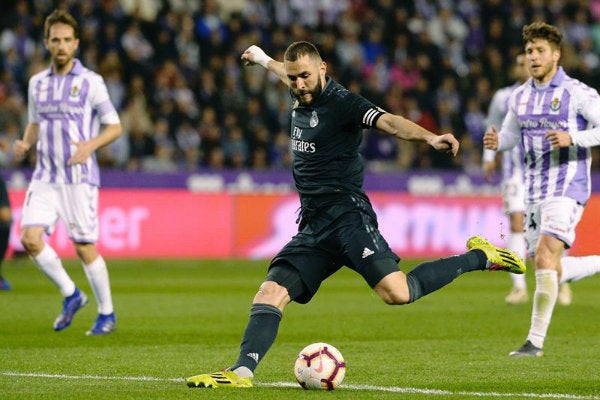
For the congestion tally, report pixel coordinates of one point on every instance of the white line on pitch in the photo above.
(391, 389)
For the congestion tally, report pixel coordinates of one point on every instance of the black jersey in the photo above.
(325, 140)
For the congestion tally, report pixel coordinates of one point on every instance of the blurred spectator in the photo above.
(235, 148)
(137, 47)
(173, 70)
(9, 132)
(474, 121)
(446, 26)
(141, 145)
(111, 70)
(188, 142)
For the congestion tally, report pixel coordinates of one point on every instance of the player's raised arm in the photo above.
(256, 55)
(405, 129)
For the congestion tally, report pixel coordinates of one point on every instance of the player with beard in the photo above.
(337, 225)
(549, 116)
(70, 117)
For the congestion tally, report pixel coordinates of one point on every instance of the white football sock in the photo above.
(544, 299)
(576, 268)
(516, 243)
(97, 275)
(50, 264)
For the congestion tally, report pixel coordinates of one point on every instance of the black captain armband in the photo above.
(371, 116)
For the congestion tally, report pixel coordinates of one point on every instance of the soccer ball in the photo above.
(320, 366)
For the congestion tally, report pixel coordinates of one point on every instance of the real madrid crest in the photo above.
(314, 119)
(555, 104)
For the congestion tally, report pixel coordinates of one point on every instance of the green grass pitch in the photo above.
(178, 318)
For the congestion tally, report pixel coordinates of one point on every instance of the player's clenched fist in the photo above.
(256, 55)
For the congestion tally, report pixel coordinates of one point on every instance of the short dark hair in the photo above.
(299, 49)
(542, 30)
(60, 17)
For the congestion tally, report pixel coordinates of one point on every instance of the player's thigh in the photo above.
(560, 216)
(41, 206)
(556, 217)
(79, 209)
(301, 266)
(365, 249)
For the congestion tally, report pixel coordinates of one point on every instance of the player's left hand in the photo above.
(83, 152)
(559, 138)
(446, 143)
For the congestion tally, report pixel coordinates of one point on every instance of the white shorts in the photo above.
(556, 216)
(76, 205)
(513, 195)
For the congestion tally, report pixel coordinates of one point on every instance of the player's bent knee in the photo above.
(272, 293)
(32, 241)
(393, 289)
(395, 299)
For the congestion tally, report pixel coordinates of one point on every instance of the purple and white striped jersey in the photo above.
(67, 108)
(512, 160)
(566, 104)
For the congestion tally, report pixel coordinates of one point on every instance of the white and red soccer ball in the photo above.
(320, 366)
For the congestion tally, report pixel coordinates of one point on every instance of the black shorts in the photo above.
(4, 202)
(352, 239)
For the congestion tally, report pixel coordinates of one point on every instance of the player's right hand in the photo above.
(20, 148)
(490, 139)
(255, 55)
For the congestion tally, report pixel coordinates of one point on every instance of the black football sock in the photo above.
(433, 275)
(259, 335)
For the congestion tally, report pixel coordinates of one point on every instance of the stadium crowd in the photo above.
(186, 102)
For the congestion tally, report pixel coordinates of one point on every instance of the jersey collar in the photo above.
(556, 80)
(329, 84)
(76, 70)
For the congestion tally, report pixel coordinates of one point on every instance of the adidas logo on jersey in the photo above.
(367, 252)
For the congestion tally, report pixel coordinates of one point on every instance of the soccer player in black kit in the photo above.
(337, 225)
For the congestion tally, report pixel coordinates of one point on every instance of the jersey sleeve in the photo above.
(100, 101)
(32, 115)
(362, 111)
(510, 133)
(497, 110)
(495, 115)
(589, 108)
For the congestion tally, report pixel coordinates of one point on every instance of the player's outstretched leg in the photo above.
(430, 276)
